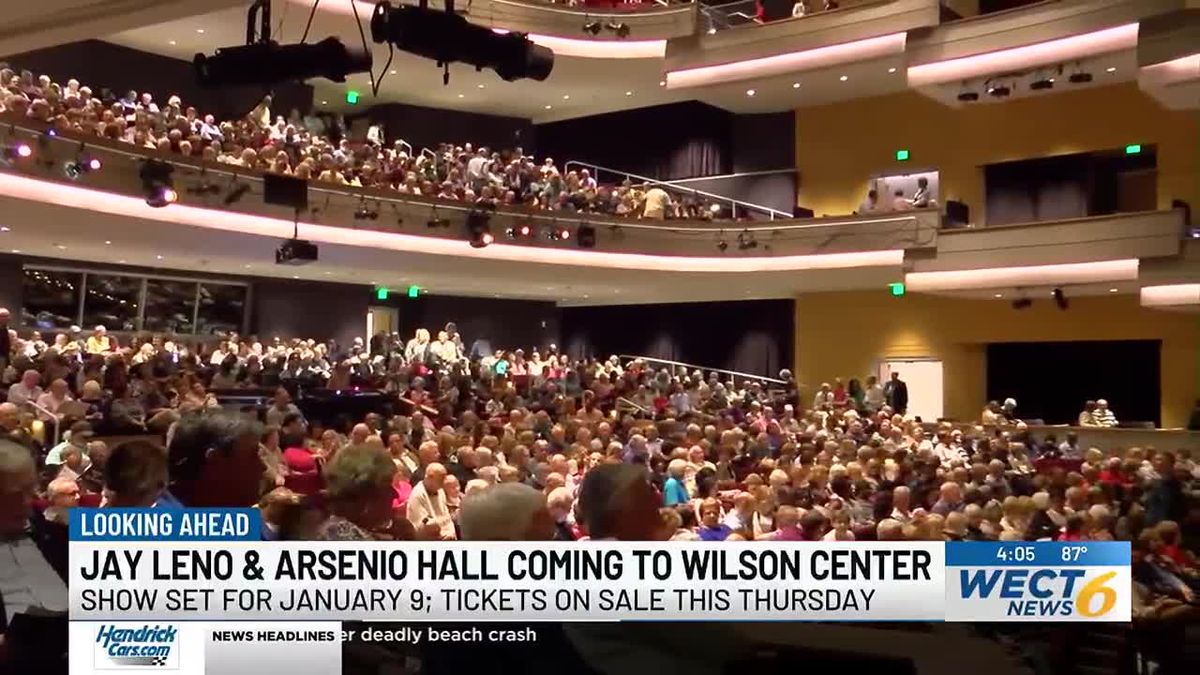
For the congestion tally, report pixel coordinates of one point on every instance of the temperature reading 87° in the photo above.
(1073, 553)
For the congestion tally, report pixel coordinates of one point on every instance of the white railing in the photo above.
(50, 417)
(734, 204)
(706, 369)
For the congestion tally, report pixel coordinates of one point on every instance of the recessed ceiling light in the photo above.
(121, 262)
(324, 102)
(5, 228)
(566, 97)
(246, 266)
(892, 69)
(712, 31)
(172, 43)
(1112, 290)
(482, 86)
(795, 85)
(1051, 80)
(462, 95)
(1110, 69)
(999, 295)
(391, 72)
(60, 247)
(295, 277)
(16, 250)
(629, 93)
(158, 257)
(662, 83)
(844, 78)
(107, 242)
(328, 273)
(750, 92)
(548, 106)
(200, 30)
(585, 296)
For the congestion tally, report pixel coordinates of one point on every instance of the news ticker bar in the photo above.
(599, 581)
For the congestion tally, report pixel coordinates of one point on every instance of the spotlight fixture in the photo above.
(363, 212)
(479, 231)
(519, 231)
(746, 240)
(1060, 299)
(585, 236)
(1042, 84)
(592, 27)
(968, 96)
(722, 245)
(436, 222)
(157, 183)
(236, 192)
(1000, 90)
(620, 28)
(263, 61)
(1080, 76)
(446, 38)
(557, 233)
(1022, 303)
(81, 165)
(17, 151)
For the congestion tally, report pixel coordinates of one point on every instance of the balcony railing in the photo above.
(207, 185)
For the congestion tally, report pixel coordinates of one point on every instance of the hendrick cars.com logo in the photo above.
(136, 646)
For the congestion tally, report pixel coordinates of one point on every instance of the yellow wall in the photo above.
(840, 146)
(845, 334)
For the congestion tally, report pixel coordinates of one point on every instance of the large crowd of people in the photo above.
(313, 148)
(504, 446)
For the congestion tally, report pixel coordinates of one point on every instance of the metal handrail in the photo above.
(733, 203)
(405, 144)
(45, 411)
(692, 366)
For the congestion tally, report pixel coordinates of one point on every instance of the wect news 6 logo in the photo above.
(1038, 593)
(136, 646)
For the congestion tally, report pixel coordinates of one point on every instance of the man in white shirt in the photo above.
(427, 503)
(1103, 414)
(27, 389)
(824, 398)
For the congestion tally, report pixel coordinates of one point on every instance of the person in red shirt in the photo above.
(1073, 530)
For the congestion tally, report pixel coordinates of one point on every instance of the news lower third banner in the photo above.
(199, 591)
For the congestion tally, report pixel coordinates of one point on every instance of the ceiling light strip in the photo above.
(808, 59)
(1070, 48)
(1033, 275)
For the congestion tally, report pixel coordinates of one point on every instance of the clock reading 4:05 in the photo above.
(1016, 553)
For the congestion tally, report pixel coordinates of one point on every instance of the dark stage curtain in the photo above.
(755, 337)
(652, 142)
(1052, 380)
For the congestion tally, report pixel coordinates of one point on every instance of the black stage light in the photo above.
(157, 183)
(592, 27)
(479, 232)
(436, 222)
(236, 193)
(81, 165)
(448, 38)
(1080, 78)
(1022, 303)
(585, 236)
(1042, 84)
(746, 240)
(722, 245)
(1060, 299)
(520, 231)
(1000, 90)
(267, 63)
(17, 151)
(968, 97)
(621, 29)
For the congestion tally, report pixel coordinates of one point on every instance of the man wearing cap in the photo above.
(77, 437)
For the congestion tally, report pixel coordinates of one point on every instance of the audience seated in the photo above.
(308, 148)
(501, 447)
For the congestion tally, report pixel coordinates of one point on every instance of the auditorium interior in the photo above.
(991, 200)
